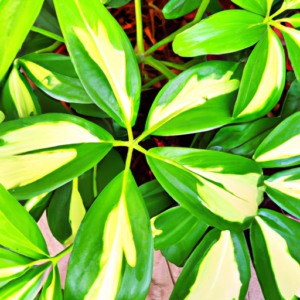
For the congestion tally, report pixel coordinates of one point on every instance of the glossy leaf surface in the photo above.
(224, 32)
(18, 99)
(55, 75)
(18, 230)
(292, 40)
(172, 226)
(260, 7)
(281, 146)
(103, 57)
(66, 212)
(275, 242)
(52, 287)
(199, 99)
(291, 4)
(14, 28)
(115, 261)
(263, 79)
(39, 154)
(177, 8)
(284, 189)
(12, 265)
(243, 139)
(25, 287)
(155, 197)
(210, 185)
(178, 253)
(292, 101)
(219, 268)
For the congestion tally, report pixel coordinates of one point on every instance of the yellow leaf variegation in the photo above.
(103, 57)
(276, 254)
(213, 270)
(18, 99)
(121, 247)
(35, 148)
(263, 79)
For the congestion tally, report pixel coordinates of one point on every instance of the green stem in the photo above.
(151, 61)
(277, 25)
(48, 34)
(180, 67)
(153, 81)
(50, 48)
(170, 38)
(139, 27)
(95, 188)
(60, 255)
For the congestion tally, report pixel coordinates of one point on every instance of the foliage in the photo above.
(224, 149)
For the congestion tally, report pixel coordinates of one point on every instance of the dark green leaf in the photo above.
(177, 8)
(292, 101)
(243, 139)
(155, 197)
(52, 286)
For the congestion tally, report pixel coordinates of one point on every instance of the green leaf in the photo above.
(263, 79)
(55, 75)
(291, 4)
(155, 197)
(103, 57)
(47, 19)
(14, 28)
(18, 230)
(292, 101)
(49, 105)
(224, 32)
(18, 99)
(260, 7)
(281, 147)
(283, 188)
(204, 92)
(117, 3)
(12, 265)
(222, 190)
(25, 287)
(114, 261)
(108, 169)
(37, 205)
(172, 226)
(178, 253)
(214, 7)
(178, 8)
(2, 116)
(63, 148)
(91, 110)
(52, 286)
(275, 243)
(292, 40)
(243, 139)
(294, 20)
(219, 268)
(66, 212)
